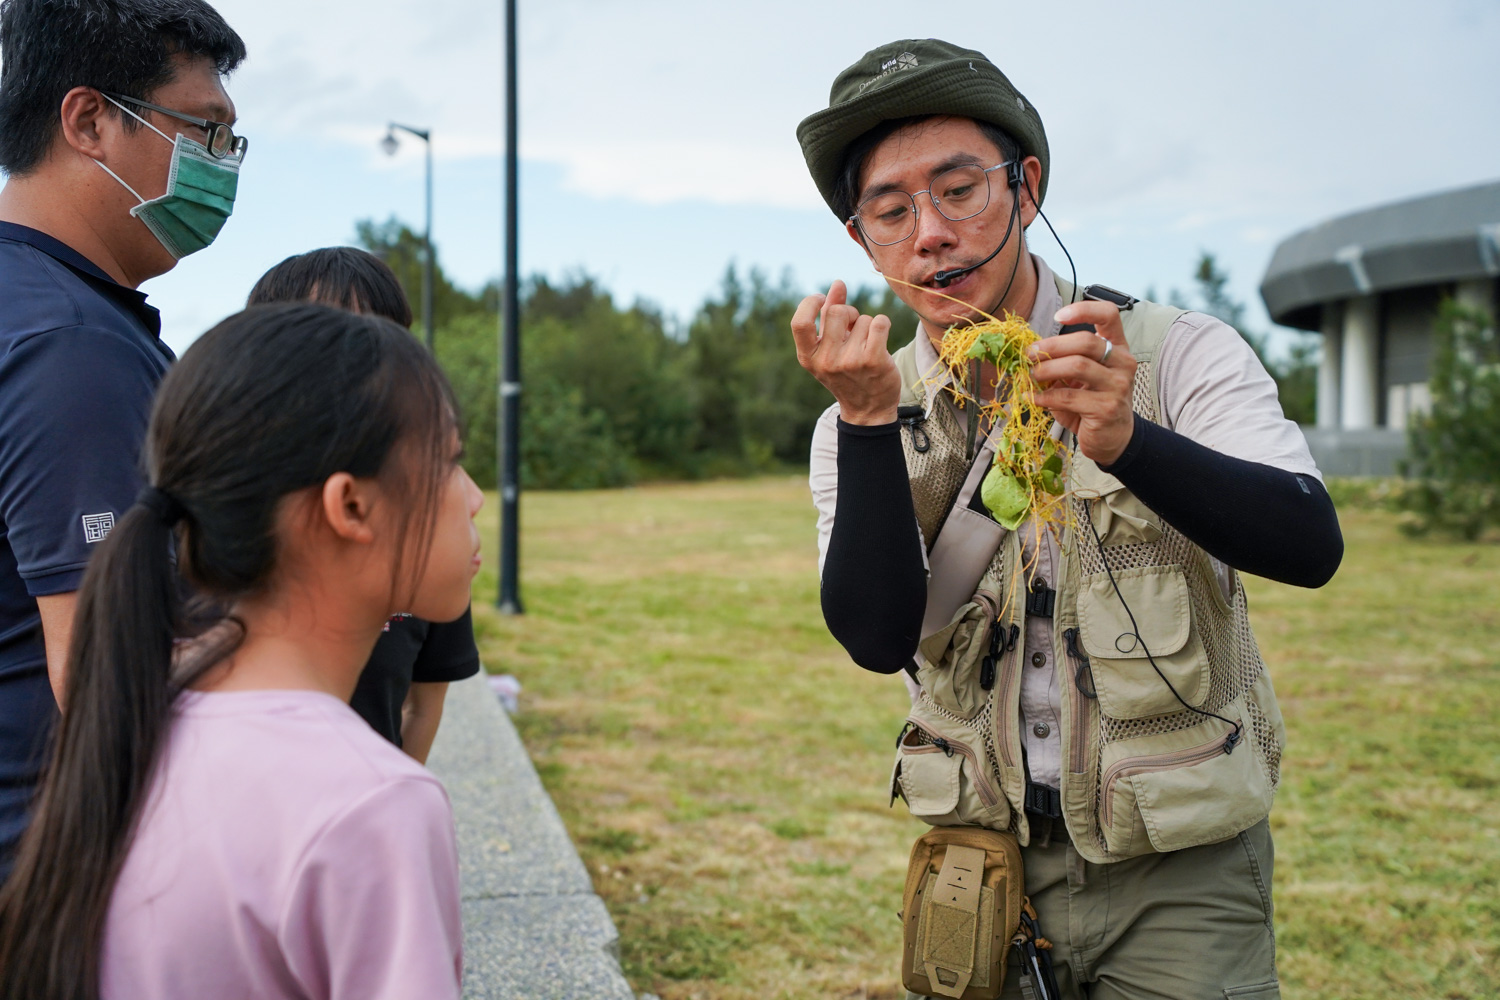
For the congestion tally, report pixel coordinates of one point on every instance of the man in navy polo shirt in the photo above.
(115, 138)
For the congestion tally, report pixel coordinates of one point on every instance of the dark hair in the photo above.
(48, 47)
(337, 276)
(846, 185)
(270, 402)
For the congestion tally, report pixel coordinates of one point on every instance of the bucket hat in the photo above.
(909, 78)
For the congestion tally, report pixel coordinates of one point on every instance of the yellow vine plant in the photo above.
(1026, 479)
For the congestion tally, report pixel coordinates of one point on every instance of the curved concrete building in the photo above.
(1370, 283)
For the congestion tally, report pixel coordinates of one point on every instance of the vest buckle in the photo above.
(1040, 601)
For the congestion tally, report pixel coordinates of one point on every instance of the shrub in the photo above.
(1455, 446)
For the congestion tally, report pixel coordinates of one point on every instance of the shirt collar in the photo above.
(130, 298)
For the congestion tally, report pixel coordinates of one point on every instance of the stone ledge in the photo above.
(533, 927)
(541, 948)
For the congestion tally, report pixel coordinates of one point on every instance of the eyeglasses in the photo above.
(957, 194)
(221, 142)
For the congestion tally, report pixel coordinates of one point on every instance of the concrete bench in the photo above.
(533, 927)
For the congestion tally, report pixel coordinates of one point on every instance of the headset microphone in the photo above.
(942, 278)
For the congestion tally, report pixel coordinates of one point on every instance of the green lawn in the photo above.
(722, 765)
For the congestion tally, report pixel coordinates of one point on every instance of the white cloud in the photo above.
(1175, 105)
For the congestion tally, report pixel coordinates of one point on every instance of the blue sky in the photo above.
(658, 142)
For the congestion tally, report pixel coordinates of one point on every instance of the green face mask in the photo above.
(199, 198)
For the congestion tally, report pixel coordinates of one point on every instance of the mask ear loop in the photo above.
(118, 179)
(139, 118)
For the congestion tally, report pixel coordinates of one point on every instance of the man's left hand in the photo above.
(1089, 389)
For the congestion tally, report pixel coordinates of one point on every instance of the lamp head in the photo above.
(390, 143)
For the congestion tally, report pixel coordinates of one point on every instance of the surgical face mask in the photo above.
(199, 198)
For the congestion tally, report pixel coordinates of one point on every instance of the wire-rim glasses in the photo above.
(221, 142)
(957, 194)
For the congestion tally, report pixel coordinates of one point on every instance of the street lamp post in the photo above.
(508, 597)
(390, 144)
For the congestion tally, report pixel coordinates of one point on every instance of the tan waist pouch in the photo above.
(961, 908)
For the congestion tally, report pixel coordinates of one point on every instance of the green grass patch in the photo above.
(723, 767)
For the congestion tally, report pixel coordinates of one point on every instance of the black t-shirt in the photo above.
(412, 651)
(80, 358)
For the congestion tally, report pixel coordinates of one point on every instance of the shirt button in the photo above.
(1042, 730)
(1038, 659)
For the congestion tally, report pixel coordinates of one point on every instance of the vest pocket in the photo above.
(1127, 686)
(1119, 517)
(946, 780)
(951, 658)
(1175, 790)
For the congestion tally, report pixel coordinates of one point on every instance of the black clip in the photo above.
(912, 417)
(1041, 601)
(1043, 800)
(1038, 980)
(1103, 293)
(902, 735)
(1231, 741)
(1070, 636)
(943, 745)
(988, 664)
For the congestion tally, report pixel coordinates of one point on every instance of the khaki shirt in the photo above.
(1213, 390)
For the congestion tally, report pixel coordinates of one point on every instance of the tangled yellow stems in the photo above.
(1026, 479)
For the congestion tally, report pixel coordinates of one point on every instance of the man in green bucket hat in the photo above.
(1094, 691)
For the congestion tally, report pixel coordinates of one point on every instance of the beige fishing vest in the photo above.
(1141, 774)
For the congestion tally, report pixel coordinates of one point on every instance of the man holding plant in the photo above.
(1087, 651)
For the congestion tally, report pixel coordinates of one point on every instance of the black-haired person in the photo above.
(402, 688)
(115, 136)
(216, 820)
(1139, 799)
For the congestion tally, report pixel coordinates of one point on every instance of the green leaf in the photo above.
(1006, 498)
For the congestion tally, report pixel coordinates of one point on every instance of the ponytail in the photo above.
(117, 708)
(270, 402)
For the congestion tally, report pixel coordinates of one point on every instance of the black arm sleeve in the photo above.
(874, 580)
(1258, 519)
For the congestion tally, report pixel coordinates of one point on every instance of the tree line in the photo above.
(616, 394)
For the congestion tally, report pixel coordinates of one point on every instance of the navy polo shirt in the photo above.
(80, 358)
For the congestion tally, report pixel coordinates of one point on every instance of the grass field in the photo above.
(722, 766)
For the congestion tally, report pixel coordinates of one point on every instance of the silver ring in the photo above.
(1109, 346)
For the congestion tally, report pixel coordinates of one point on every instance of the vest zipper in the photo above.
(1079, 700)
(1153, 762)
(1003, 705)
(991, 660)
(987, 793)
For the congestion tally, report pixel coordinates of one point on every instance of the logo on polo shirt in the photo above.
(96, 527)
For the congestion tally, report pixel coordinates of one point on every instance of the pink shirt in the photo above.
(285, 851)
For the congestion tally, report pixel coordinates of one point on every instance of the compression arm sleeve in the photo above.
(874, 578)
(1255, 518)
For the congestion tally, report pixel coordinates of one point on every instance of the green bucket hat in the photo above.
(909, 78)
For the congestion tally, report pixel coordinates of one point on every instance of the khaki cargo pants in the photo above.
(1191, 925)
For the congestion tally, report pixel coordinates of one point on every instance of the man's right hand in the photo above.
(848, 356)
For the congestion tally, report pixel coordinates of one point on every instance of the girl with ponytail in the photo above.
(216, 821)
